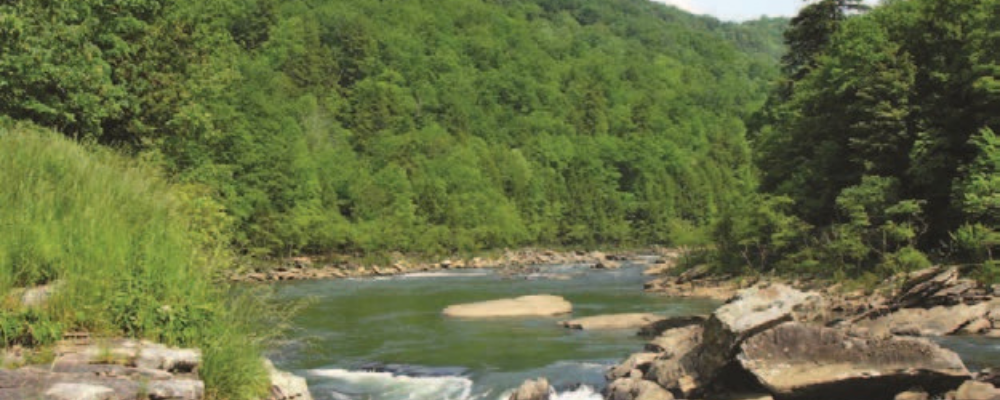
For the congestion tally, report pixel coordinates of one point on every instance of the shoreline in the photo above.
(312, 268)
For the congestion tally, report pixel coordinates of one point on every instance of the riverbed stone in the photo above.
(635, 389)
(526, 306)
(538, 389)
(636, 362)
(612, 321)
(797, 361)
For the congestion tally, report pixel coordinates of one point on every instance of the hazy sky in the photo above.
(739, 9)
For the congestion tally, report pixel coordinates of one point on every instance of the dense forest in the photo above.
(877, 149)
(431, 127)
(147, 144)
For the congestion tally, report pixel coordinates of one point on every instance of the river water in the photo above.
(385, 338)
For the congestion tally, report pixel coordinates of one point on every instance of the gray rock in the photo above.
(748, 313)
(533, 390)
(38, 296)
(285, 385)
(186, 389)
(156, 356)
(79, 391)
(634, 389)
(637, 361)
(936, 321)
(795, 361)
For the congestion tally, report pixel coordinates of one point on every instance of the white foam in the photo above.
(384, 385)
(583, 392)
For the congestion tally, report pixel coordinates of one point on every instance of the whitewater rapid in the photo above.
(341, 384)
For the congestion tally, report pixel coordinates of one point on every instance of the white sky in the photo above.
(740, 10)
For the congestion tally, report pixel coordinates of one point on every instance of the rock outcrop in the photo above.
(796, 361)
(114, 370)
(769, 339)
(526, 306)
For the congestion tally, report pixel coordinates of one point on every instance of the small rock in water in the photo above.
(533, 390)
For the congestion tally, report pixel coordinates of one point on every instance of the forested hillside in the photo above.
(878, 150)
(421, 126)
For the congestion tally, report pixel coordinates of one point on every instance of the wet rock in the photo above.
(606, 264)
(612, 321)
(285, 385)
(634, 389)
(795, 361)
(973, 390)
(526, 306)
(533, 390)
(79, 391)
(636, 362)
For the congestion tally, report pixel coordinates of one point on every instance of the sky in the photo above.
(739, 10)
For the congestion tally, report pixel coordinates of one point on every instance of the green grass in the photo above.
(133, 255)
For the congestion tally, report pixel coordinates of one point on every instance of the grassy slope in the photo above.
(132, 255)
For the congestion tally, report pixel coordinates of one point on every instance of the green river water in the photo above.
(385, 338)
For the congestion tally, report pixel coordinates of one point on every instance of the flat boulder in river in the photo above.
(612, 321)
(797, 361)
(525, 306)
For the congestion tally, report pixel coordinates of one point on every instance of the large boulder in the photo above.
(526, 306)
(158, 356)
(748, 313)
(533, 390)
(636, 389)
(796, 361)
(613, 321)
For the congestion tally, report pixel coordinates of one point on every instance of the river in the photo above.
(385, 338)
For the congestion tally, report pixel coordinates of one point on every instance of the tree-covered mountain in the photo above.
(427, 126)
(879, 153)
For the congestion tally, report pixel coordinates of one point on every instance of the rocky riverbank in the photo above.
(306, 268)
(122, 369)
(773, 341)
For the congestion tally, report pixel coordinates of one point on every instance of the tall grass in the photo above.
(130, 254)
